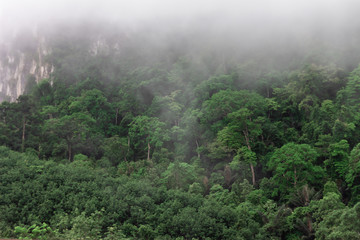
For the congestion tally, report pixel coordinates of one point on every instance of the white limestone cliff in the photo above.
(17, 66)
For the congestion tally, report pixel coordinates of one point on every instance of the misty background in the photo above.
(246, 22)
(217, 36)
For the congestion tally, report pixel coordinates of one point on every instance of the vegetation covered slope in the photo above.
(182, 145)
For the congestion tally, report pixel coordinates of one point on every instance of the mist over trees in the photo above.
(187, 120)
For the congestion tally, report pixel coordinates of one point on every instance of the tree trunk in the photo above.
(148, 154)
(197, 150)
(246, 134)
(309, 222)
(307, 202)
(227, 175)
(252, 174)
(116, 116)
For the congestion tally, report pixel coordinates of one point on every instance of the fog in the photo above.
(256, 15)
(274, 25)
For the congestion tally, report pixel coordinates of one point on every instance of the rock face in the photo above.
(20, 61)
(29, 56)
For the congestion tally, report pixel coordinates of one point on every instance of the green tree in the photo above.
(73, 129)
(334, 220)
(116, 149)
(94, 103)
(338, 162)
(27, 109)
(244, 129)
(293, 166)
(216, 109)
(180, 175)
(147, 132)
(206, 89)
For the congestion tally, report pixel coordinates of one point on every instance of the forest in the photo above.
(178, 139)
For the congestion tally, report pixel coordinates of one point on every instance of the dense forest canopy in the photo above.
(245, 126)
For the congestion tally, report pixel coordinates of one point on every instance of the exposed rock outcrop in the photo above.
(20, 62)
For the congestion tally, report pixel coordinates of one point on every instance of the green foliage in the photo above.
(354, 165)
(207, 88)
(146, 133)
(180, 146)
(293, 167)
(339, 159)
(34, 232)
(116, 149)
(180, 175)
(352, 89)
(334, 220)
(228, 101)
(85, 227)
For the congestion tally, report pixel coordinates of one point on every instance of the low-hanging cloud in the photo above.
(238, 23)
(15, 13)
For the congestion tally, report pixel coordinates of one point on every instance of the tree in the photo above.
(246, 156)
(338, 162)
(73, 129)
(26, 108)
(216, 109)
(352, 177)
(236, 117)
(352, 89)
(94, 103)
(191, 131)
(42, 93)
(147, 132)
(206, 89)
(334, 220)
(9, 125)
(116, 149)
(180, 175)
(242, 130)
(168, 108)
(293, 166)
(339, 223)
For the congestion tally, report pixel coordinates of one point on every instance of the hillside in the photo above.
(180, 131)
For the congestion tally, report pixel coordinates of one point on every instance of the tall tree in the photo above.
(146, 133)
(293, 167)
(73, 129)
(242, 130)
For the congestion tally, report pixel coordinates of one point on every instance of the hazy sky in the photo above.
(25, 11)
(257, 15)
